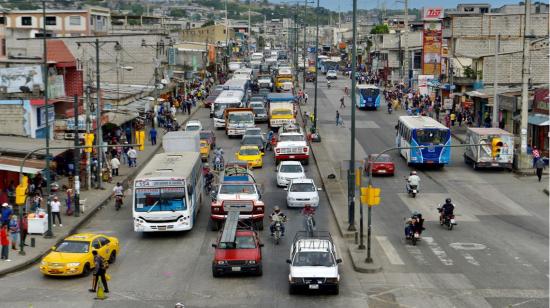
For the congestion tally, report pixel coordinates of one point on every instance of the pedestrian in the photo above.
(459, 119)
(100, 270)
(132, 156)
(342, 105)
(539, 165)
(68, 201)
(153, 136)
(5, 242)
(14, 231)
(306, 116)
(24, 228)
(536, 155)
(188, 107)
(337, 117)
(115, 164)
(312, 117)
(128, 132)
(305, 98)
(453, 118)
(56, 210)
(346, 91)
(6, 213)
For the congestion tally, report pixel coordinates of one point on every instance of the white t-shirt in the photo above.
(56, 206)
(414, 180)
(115, 163)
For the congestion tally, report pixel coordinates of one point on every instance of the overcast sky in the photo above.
(346, 5)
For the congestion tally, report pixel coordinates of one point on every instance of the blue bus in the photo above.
(423, 131)
(368, 96)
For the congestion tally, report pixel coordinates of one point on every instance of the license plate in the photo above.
(292, 156)
(494, 164)
(430, 162)
(236, 269)
(54, 271)
(162, 227)
(314, 286)
(382, 171)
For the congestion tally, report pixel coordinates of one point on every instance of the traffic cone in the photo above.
(100, 294)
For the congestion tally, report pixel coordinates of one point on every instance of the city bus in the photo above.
(167, 193)
(423, 131)
(368, 96)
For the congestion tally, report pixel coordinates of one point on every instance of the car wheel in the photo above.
(336, 290)
(112, 257)
(260, 271)
(86, 270)
(214, 226)
(291, 289)
(215, 274)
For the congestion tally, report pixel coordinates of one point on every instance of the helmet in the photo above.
(413, 172)
(276, 209)
(448, 200)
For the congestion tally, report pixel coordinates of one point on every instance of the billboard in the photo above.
(432, 41)
(14, 78)
(432, 13)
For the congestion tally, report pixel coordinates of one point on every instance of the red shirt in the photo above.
(4, 241)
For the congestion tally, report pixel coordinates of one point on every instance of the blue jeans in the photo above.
(5, 252)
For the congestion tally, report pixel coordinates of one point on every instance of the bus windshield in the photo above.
(370, 92)
(241, 117)
(281, 112)
(160, 199)
(428, 136)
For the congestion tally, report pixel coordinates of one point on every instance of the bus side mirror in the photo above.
(338, 261)
(214, 245)
(288, 261)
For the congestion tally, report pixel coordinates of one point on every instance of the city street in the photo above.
(159, 270)
(496, 256)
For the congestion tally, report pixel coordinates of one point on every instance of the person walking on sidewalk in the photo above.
(14, 231)
(56, 211)
(132, 156)
(115, 164)
(24, 228)
(6, 213)
(5, 242)
(342, 105)
(539, 166)
(100, 270)
(536, 155)
(337, 117)
(153, 136)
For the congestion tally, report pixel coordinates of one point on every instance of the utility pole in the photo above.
(406, 38)
(316, 67)
(351, 171)
(249, 27)
(49, 232)
(296, 46)
(76, 160)
(304, 50)
(88, 127)
(525, 72)
(495, 82)
(226, 39)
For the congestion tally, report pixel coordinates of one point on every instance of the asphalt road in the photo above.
(497, 255)
(159, 270)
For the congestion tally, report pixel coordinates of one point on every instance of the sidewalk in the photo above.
(92, 200)
(336, 190)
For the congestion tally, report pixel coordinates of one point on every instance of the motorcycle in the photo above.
(446, 220)
(414, 228)
(412, 190)
(310, 225)
(390, 109)
(278, 231)
(328, 84)
(118, 202)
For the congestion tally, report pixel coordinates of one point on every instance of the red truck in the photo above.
(240, 254)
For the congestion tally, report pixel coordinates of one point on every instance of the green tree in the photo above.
(178, 13)
(380, 29)
(195, 17)
(137, 9)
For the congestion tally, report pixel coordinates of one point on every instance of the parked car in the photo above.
(242, 256)
(301, 192)
(288, 170)
(382, 166)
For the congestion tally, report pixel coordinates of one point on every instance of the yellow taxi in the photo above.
(73, 256)
(251, 154)
(205, 150)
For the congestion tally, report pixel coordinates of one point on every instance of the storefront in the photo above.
(539, 122)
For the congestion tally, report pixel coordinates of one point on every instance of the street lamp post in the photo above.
(351, 171)
(316, 68)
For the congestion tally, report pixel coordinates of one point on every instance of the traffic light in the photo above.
(496, 145)
(21, 191)
(370, 195)
(89, 142)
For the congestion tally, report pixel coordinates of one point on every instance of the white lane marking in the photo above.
(469, 258)
(417, 254)
(467, 246)
(438, 251)
(391, 253)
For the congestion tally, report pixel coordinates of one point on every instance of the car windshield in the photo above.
(281, 112)
(256, 105)
(257, 99)
(205, 135)
(253, 140)
(160, 199)
(381, 158)
(237, 189)
(370, 92)
(253, 132)
(192, 127)
(427, 136)
(291, 168)
(73, 247)
(241, 117)
(302, 187)
(241, 242)
(259, 110)
(249, 152)
(331, 72)
(291, 138)
(313, 258)
(220, 107)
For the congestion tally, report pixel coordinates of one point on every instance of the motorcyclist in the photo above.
(390, 107)
(413, 224)
(118, 190)
(218, 158)
(328, 83)
(208, 179)
(446, 209)
(268, 140)
(413, 180)
(277, 216)
(308, 210)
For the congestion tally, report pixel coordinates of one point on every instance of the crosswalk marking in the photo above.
(391, 253)
(469, 258)
(417, 254)
(438, 251)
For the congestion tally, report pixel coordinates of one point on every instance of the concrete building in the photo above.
(59, 23)
(210, 34)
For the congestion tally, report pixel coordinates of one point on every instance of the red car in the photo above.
(244, 255)
(383, 165)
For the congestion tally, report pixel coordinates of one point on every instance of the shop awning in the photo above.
(539, 119)
(15, 144)
(119, 118)
(13, 164)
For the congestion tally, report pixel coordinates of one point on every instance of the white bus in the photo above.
(167, 193)
(226, 99)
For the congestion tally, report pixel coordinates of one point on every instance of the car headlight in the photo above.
(73, 264)
(291, 199)
(251, 262)
(315, 199)
(221, 262)
(44, 263)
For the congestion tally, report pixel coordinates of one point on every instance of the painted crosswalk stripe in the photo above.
(391, 253)
(438, 251)
(417, 254)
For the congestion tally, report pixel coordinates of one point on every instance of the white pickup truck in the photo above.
(291, 145)
(313, 263)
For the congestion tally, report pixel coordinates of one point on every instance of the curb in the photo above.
(371, 269)
(89, 215)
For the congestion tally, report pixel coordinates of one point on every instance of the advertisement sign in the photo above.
(41, 116)
(56, 86)
(432, 42)
(172, 56)
(432, 13)
(423, 83)
(14, 78)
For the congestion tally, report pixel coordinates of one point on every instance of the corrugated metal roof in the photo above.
(58, 52)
